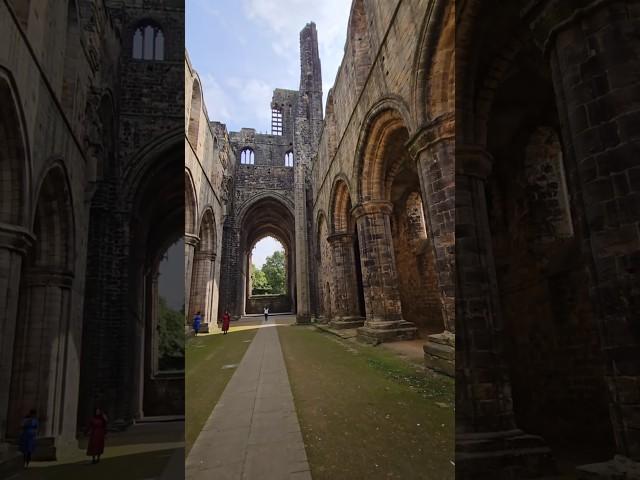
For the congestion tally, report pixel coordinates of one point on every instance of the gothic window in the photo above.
(288, 159)
(247, 157)
(276, 121)
(148, 42)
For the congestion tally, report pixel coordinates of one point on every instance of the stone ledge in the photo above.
(619, 468)
(402, 330)
(502, 456)
(344, 323)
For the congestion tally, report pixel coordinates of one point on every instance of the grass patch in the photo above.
(366, 413)
(139, 465)
(205, 379)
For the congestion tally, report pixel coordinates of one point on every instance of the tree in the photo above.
(259, 281)
(171, 333)
(274, 271)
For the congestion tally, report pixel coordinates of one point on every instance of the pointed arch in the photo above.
(380, 151)
(340, 206)
(15, 164)
(53, 220)
(195, 112)
(359, 44)
(190, 203)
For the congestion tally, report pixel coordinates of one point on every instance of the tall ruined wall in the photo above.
(378, 71)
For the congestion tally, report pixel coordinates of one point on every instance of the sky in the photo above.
(171, 279)
(263, 249)
(244, 49)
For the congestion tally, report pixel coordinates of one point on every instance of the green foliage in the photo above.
(171, 336)
(274, 271)
(259, 283)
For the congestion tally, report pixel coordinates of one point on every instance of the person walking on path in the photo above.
(266, 313)
(28, 436)
(197, 320)
(226, 318)
(97, 430)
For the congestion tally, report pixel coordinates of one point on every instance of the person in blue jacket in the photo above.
(197, 320)
(28, 436)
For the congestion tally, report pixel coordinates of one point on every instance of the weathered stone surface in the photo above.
(91, 134)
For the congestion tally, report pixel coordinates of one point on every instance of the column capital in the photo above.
(14, 237)
(546, 18)
(439, 130)
(372, 207)
(56, 277)
(473, 161)
(340, 237)
(190, 239)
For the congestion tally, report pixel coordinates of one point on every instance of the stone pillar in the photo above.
(488, 442)
(433, 148)
(303, 306)
(14, 244)
(384, 320)
(41, 350)
(201, 279)
(190, 244)
(344, 301)
(593, 50)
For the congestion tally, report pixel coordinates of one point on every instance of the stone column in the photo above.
(201, 278)
(303, 305)
(190, 244)
(384, 320)
(487, 438)
(433, 148)
(41, 351)
(593, 50)
(344, 301)
(14, 244)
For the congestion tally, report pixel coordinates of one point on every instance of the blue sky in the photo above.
(263, 249)
(243, 49)
(171, 279)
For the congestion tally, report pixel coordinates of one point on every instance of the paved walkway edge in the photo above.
(253, 432)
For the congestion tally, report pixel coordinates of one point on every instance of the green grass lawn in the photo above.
(366, 413)
(205, 379)
(139, 465)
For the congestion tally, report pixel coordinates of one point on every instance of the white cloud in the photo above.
(283, 20)
(218, 101)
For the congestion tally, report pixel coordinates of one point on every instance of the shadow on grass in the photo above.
(139, 466)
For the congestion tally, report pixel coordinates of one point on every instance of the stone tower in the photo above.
(308, 127)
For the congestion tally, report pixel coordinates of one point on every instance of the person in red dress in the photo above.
(97, 430)
(226, 318)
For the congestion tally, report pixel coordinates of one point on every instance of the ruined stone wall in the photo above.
(209, 166)
(43, 113)
(383, 40)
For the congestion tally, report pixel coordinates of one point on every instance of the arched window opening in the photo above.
(247, 157)
(276, 121)
(148, 42)
(546, 187)
(169, 343)
(288, 159)
(268, 268)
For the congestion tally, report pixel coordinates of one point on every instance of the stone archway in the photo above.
(347, 294)
(202, 275)
(381, 156)
(41, 361)
(15, 236)
(265, 215)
